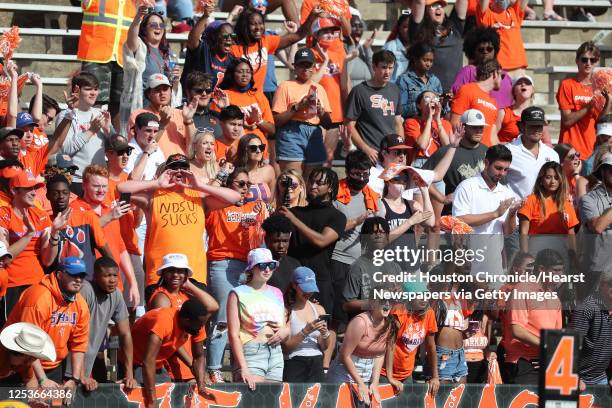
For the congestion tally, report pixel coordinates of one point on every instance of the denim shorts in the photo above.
(338, 373)
(264, 360)
(451, 364)
(300, 142)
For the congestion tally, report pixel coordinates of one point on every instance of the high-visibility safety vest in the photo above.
(104, 30)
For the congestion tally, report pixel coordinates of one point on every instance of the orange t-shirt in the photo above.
(127, 223)
(34, 159)
(3, 282)
(551, 223)
(175, 224)
(471, 96)
(66, 322)
(413, 127)
(40, 138)
(411, 334)
(163, 323)
(269, 45)
(291, 92)
(512, 53)
(332, 77)
(222, 151)
(573, 96)
(174, 139)
(229, 231)
(25, 269)
(308, 5)
(509, 128)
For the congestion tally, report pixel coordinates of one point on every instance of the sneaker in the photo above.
(216, 377)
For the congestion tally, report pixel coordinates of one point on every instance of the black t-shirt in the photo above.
(281, 278)
(208, 119)
(202, 59)
(317, 217)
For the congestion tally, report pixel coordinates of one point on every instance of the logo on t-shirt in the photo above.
(413, 336)
(255, 59)
(582, 98)
(382, 103)
(468, 171)
(487, 104)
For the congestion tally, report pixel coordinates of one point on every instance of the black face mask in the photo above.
(357, 184)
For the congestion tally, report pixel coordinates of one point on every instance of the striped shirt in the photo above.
(593, 321)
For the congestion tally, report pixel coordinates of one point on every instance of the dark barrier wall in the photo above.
(324, 396)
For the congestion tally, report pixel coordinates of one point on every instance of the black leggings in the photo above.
(303, 369)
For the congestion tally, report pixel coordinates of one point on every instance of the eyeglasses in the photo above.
(201, 91)
(257, 148)
(156, 26)
(360, 174)
(242, 183)
(266, 265)
(585, 60)
(205, 129)
(482, 50)
(228, 36)
(574, 156)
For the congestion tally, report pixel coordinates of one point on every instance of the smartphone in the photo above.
(473, 325)
(325, 317)
(125, 197)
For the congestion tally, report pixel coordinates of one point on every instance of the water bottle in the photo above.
(172, 61)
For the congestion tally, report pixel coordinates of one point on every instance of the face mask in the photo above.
(326, 43)
(357, 184)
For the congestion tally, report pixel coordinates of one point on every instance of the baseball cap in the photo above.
(28, 339)
(527, 77)
(604, 128)
(7, 131)
(9, 168)
(322, 23)
(259, 255)
(117, 144)
(72, 265)
(606, 160)
(177, 161)
(4, 250)
(156, 80)
(533, 115)
(24, 119)
(23, 180)
(179, 261)
(430, 2)
(303, 55)
(63, 161)
(473, 117)
(146, 119)
(305, 278)
(393, 142)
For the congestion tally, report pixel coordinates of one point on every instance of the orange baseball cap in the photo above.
(10, 172)
(22, 180)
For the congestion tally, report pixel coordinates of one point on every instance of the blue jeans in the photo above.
(179, 9)
(223, 276)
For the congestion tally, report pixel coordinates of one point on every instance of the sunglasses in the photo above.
(573, 156)
(293, 186)
(436, 6)
(242, 183)
(202, 91)
(178, 166)
(482, 50)
(156, 26)
(266, 265)
(584, 60)
(360, 175)
(403, 178)
(126, 152)
(228, 36)
(257, 148)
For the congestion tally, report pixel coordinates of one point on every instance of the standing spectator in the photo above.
(43, 109)
(262, 179)
(146, 155)
(373, 107)
(417, 78)
(278, 231)
(572, 165)
(604, 133)
(481, 44)
(290, 186)
(398, 42)
(309, 335)
(476, 95)
(593, 322)
(103, 34)
(256, 323)
(203, 85)
(359, 68)
(55, 305)
(528, 317)
(299, 144)
(202, 159)
(83, 127)
(507, 18)
(445, 33)
(595, 211)
(105, 302)
(579, 112)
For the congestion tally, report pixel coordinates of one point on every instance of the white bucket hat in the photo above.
(175, 261)
(28, 339)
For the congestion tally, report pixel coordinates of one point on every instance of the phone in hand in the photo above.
(125, 197)
(325, 317)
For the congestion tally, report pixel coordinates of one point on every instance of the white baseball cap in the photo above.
(473, 117)
(4, 250)
(179, 261)
(28, 339)
(604, 128)
(527, 77)
(156, 80)
(257, 256)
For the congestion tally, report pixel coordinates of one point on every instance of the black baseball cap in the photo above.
(146, 119)
(303, 55)
(177, 161)
(393, 142)
(533, 115)
(117, 144)
(7, 131)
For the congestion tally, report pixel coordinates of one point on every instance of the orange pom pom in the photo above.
(336, 8)
(602, 79)
(9, 41)
(202, 5)
(454, 225)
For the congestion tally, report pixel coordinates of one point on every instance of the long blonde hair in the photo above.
(278, 197)
(210, 167)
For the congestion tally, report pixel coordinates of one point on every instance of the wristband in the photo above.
(76, 380)
(190, 122)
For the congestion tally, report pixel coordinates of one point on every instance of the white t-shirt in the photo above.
(153, 162)
(524, 168)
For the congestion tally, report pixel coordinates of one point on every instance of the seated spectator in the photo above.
(476, 95)
(238, 84)
(202, 159)
(146, 155)
(56, 298)
(232, 128)
(21, 344)
(176, 126)
(591, 320)
(299, 117)
(398, 42)
(579, 111)
(373, 107)
(262, 179)
(431, 25)
(83, 127)
(507, 18)
(105, 303)
(278, 231)
(528, 317)
(549, 211)
(173, 289)
(602, 137)
(507, 125)
(203, 85)
(571, 163)
(417, 78)
(162, 332)
(290, 190)
(481, 44)
(231, 231)
(359, 67)
(427, 131)
(256, 323)
(308, 335)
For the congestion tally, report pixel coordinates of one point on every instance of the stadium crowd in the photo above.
(195, 212)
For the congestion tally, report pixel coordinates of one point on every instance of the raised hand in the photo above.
(165, 114)
(166, 179)
(290, 26)
(73, 98)
(61, 220)
(189, 109)
(220, 97)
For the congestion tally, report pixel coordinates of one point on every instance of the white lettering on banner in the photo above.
(486, 104)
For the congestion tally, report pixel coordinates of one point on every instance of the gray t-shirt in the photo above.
(597, 255)
(102, 308)
(348, 246)
(374, 110)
